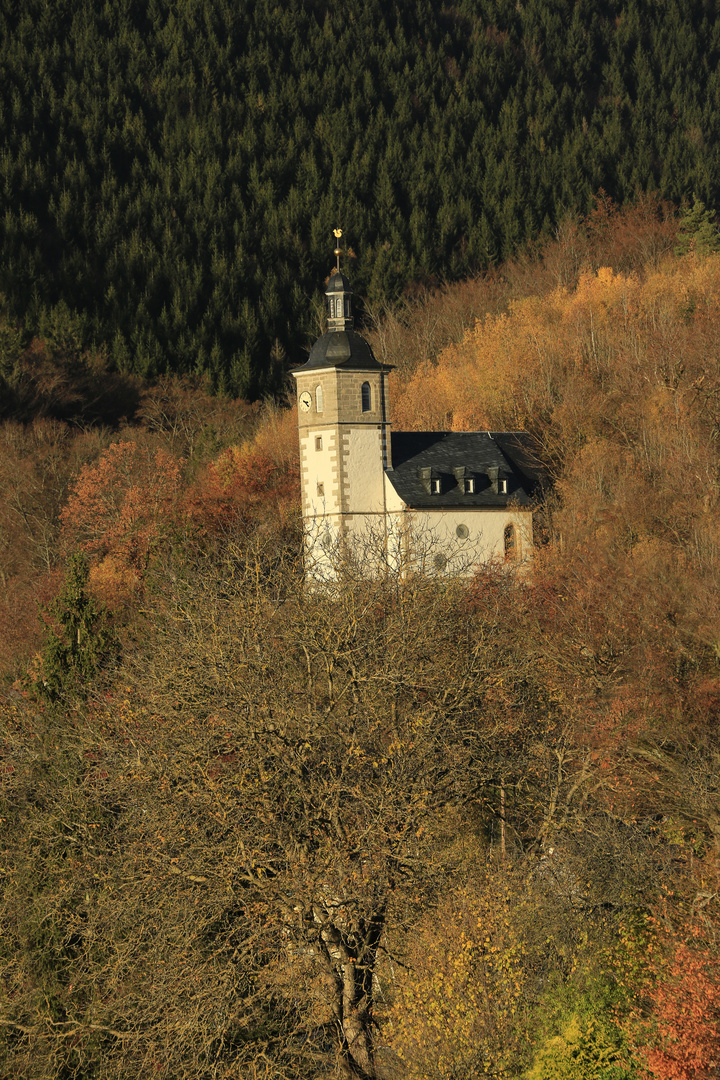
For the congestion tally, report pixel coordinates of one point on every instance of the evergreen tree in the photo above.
(699, 230)
(173, 174)
(78, 638)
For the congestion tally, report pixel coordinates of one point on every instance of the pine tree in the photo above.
(699, 231)
(78, 638)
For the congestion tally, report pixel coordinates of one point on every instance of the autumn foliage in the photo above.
(118, 504)
(678, 1033)
(438, 830)
(256, 480)
(461, 1010)
(118, 511)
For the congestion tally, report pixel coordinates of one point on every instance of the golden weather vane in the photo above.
(337, 233)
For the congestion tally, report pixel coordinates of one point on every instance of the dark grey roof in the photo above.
(341, 348)
(338, 283)
(485, 456)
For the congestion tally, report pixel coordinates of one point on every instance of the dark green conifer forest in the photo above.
(171, 173)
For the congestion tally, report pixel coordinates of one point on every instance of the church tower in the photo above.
(343, 414)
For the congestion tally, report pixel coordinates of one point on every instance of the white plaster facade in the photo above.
(435, 542)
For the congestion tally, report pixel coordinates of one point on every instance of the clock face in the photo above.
(305, 401)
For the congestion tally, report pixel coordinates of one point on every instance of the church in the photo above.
(401, 501)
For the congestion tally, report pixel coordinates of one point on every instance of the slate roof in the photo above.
(341, 348)
(338, 283)
(484, 455)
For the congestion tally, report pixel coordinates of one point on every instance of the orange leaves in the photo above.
(472, 383)
(682, 1039)
(119, 505)
(507, 368)
(421, 403)
(593, 361)
(123, 505)
(253, 480)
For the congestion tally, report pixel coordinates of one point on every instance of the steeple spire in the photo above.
(338, 293)
(338, 251)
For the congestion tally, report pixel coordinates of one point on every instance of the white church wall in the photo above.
(318, 464)
(393, 502)
(456, 541)
(405, 542)
(338, 545)
(322, 547)
(363, 473)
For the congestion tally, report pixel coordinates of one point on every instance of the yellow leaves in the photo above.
(600, 293)
(513, 367)
(457, 1013)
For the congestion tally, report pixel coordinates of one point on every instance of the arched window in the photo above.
(510, 540)
(318, 398)
(366, 399)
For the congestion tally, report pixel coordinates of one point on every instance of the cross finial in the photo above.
(337, 234)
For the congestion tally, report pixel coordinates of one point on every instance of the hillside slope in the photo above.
(170, 173)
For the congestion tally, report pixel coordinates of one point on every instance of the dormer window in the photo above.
(366, 397)
(465, 480)
(431, 479)
(498, 480)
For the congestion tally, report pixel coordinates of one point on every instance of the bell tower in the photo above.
(344, 432)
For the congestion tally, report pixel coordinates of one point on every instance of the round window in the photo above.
(462, 532)
(440, 561)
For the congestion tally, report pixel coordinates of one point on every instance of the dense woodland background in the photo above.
(170, 173)
(440, 829)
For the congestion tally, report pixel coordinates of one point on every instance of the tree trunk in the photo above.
(357, 1009)
(351, 958)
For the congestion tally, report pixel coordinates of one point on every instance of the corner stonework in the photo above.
(343, 428)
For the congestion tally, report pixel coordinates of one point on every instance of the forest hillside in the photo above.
(427, 829)
(170, 173)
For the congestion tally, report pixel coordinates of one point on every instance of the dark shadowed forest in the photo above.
(420, 828)
(170, 173)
